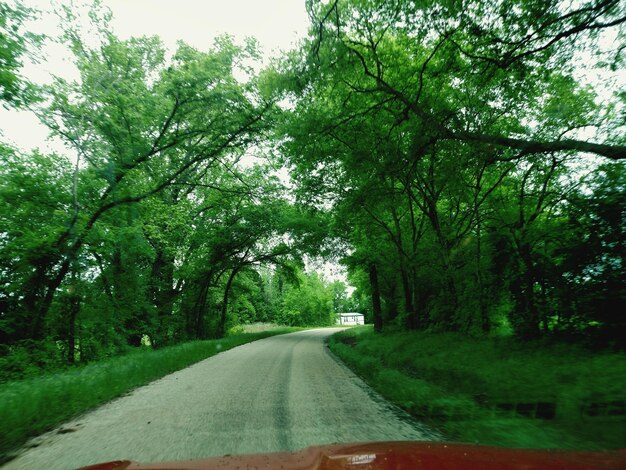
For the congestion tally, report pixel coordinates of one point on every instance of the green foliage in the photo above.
(154, 235)
(34, 198)
(342, 302)
(307, 304)
(592, 257)
(15, 43)
(457, 383)
(442, 141)
(29, 359)
(433, 148)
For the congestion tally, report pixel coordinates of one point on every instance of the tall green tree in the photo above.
(15, 44)
(140, 125)
(412, 120)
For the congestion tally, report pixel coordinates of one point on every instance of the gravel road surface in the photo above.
(282, 393)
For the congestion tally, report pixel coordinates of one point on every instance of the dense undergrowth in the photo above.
(496, 391)
(30, 407)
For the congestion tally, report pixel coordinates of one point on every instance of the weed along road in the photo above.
(281, 393)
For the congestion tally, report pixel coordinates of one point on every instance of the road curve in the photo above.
(278, 394)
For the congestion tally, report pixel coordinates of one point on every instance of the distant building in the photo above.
(350, 319)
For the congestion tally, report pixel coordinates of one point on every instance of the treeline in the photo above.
(443, 139)
(163, 228)
(439, 149)
(192, 262)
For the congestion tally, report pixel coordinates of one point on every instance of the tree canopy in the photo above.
(447, 138)
(448, 154)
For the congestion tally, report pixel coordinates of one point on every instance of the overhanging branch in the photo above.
(528, 146)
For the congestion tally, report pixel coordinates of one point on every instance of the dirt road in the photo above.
(281, 393)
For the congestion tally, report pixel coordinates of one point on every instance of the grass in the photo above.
(496, 391)
(257, 327)
(32, 406)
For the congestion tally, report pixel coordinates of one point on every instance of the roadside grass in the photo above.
(496, 391)
(257, 327)
(32, 406)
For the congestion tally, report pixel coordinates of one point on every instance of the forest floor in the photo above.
(278, 394)
(496, 391)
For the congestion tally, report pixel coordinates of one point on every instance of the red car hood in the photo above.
(395, 455)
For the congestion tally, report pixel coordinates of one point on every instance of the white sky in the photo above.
(276, 24)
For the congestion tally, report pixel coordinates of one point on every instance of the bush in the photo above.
(29, 358)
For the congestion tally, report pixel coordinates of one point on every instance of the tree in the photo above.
(15, 43)
(139, 126)
(409, 125)
(492, 41)
(590, 295)
(33, 199)
(309, 303)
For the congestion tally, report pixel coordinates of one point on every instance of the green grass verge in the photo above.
(475, 390)
(33, 406)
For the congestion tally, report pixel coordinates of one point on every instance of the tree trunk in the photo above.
(449, 311)
(195, 320)
(392, 310)
(485, 321)
(411, 317)
(34, 291)
(529, 323)
(378, 317)
(221, 328)
(162, 294)
(74, 308)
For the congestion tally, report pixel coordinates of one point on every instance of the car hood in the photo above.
(394, 455)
